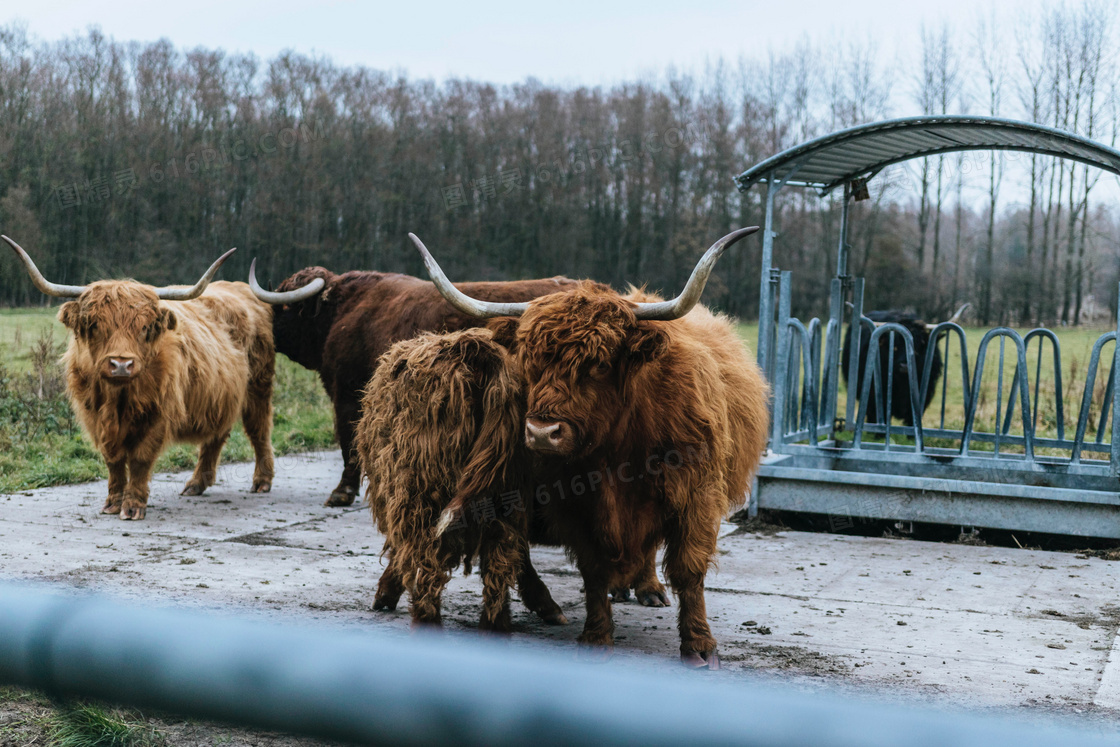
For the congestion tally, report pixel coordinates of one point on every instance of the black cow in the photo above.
(900, 387)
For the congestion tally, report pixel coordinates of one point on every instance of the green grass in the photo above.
(41, 443)
(1076, 348)
(84, 725)
(32, 718)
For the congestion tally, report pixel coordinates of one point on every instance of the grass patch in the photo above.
(84, 725)
(41, 443)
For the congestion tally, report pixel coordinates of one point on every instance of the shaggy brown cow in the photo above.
(142, 372)
(660, 416)
(340, 325)
(443, 414)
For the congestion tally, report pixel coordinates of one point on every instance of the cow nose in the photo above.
(120, 367)
(541, 436)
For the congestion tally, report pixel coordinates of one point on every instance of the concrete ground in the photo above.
(980, 627)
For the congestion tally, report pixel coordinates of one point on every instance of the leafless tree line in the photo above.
(145, 160)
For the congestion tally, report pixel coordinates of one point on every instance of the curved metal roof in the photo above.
(829, 161)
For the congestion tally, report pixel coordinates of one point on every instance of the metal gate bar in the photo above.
(374, 688)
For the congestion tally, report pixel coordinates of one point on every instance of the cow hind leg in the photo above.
(500, 563)
(206, 471)
(257, 419)
(647, 587)
(389, 587)
(346, 413)
(534, 593)
(425, 591)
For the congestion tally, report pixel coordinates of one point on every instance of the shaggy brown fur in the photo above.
(344, 330)
(442, 415)
(667, 424)
(197, 367)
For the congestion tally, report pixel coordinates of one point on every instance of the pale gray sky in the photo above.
(572, 42)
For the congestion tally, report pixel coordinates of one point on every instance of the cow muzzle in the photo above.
(120, 368)
(555, 437)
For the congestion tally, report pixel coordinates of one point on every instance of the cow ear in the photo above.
(504, 330)
(68, 315)
(169, 320)
(647, 342)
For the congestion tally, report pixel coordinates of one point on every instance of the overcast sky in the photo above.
(572, 42)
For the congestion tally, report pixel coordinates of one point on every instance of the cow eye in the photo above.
(600, 369)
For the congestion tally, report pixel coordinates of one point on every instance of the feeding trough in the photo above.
(827, 456)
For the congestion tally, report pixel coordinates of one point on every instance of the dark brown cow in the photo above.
(150, 366)
(340, 325)
(657, 416)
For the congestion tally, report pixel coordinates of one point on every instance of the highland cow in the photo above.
(900, 383)
(442, 417)
(149, 366)
(659, 414)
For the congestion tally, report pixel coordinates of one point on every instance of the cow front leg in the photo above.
(598, 628)
(134, 504)
(118, 482)
(257, 419)
(534, 594)
(346, 413)
(206, 471)
(688, 551)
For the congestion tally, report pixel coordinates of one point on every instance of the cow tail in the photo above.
(490, 464)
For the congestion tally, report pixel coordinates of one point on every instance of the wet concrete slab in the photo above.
(979, 627)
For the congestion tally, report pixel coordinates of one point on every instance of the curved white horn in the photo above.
(185, 294)
(458, 299)
(281, 297)
(956, 317)
(690, 296)
(44, 285)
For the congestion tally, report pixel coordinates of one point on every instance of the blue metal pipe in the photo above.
(377, 688)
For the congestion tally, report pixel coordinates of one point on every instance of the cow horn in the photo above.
(172, 293)
(852, 306)
(690, 296)
(956, 317)
(458, 299)
(282, 297)
(44, 285)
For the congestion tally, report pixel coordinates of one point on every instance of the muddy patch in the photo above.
(792, 659)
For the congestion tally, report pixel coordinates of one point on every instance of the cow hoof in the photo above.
(554, 618)
(696, 660)
(133, 511)
(341, 498)
(262, 486)
(193, 488)
(621, 594)
(653, 597)
(112, 504)
(384, 605)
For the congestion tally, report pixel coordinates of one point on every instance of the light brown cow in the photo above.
(151, 366)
